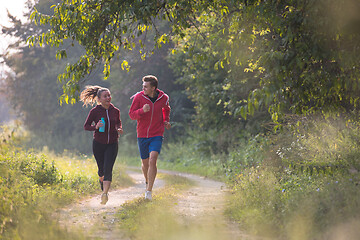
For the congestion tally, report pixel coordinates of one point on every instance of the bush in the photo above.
(184, 157)
(39, 169)
(33, 186)
(303, 183)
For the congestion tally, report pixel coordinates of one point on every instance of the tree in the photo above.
(213, 74)
(126, 83)
(35, 96)
(297, 57)
(302, 54)
(31, 91)
(306, 55)
(103, 27)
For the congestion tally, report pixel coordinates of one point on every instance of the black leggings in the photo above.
(105, 155)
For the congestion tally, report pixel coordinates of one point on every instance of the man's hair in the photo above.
(152, 79)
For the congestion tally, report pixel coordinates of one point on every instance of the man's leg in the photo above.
(143, 144)
(145, 168)
(152, 169)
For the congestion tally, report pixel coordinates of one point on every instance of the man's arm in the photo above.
(136, 110)
(166, 114)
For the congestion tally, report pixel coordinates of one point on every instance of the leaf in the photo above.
(243, 112)
(125, 65)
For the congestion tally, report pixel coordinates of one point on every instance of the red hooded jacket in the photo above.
(112, 123)
(151, 123)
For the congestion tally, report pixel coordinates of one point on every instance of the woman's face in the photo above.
(105, 98)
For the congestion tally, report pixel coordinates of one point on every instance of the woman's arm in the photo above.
(89, 120)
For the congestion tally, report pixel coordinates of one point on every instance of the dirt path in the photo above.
(200, 210)
(200, 206)
(84, 215)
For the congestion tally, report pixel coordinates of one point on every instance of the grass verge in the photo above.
(142, 219)
(33, 185)
(301, 184)
(174, 213)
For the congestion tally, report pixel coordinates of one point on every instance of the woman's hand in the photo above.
(120, 131)
(99, 124)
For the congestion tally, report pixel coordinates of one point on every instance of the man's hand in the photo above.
(167, 125)
(146, 107)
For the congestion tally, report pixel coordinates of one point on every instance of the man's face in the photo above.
(148, 89)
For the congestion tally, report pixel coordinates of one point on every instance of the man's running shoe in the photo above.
(104, 198)
(148, 195)
(101, 185)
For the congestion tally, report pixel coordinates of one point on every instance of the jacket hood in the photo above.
(142, 93)
(101, 107)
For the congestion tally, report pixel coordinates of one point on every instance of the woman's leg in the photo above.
(99, 154)
(110, 157)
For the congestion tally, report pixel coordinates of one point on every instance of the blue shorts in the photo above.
(147, 145)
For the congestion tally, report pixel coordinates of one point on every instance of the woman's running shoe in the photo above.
(104, 198)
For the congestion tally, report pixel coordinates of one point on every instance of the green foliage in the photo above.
(212, 70)
(248, 153)
(282, 56)
(34, 84)
(124, 84)
(302, 185)
(33, 186)
(302, 55)
(188, 156)
(236, 58)
(33, 94)
(105, 27)
(39, 170)
(10, 136)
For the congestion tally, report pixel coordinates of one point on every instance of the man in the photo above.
(151, 109)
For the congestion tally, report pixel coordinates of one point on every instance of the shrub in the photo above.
(302, 184)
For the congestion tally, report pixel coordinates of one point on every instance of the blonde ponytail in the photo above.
(91, 94)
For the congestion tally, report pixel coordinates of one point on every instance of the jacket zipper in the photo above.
(107, 114)
(152, 113)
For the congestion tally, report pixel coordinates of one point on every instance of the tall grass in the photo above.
(303, 184)
(183, 156)
(33, 185)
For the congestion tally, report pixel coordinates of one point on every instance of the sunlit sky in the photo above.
(16, 8)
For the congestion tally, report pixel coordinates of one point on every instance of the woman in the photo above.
(105, 144)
